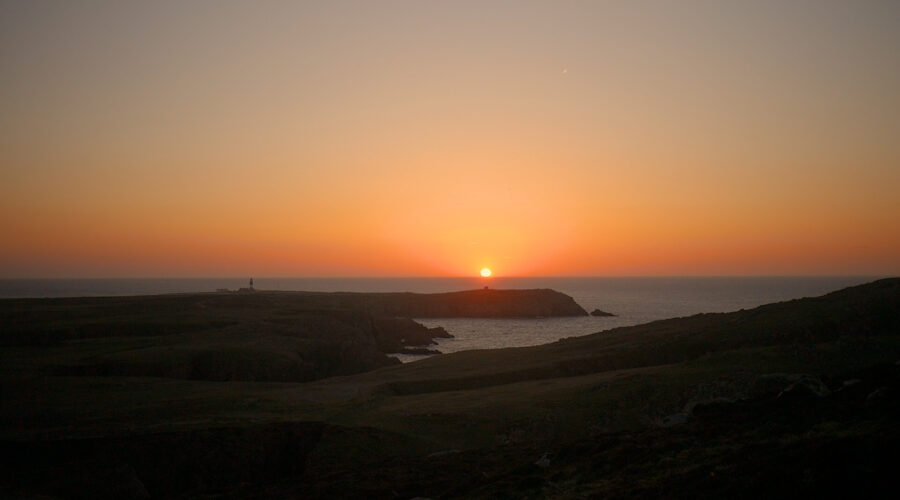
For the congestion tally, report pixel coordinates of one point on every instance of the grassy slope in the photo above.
(850, 327)
(525, 399)
(851, 315)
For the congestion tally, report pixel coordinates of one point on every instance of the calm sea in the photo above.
(633, 300)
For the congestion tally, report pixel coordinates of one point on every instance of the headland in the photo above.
(763, 402)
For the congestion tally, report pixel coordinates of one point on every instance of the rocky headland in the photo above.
(259, 336)
(798, 399)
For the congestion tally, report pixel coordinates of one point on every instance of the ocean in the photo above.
(632, 300)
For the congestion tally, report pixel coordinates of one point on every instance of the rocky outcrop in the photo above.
(602, 314)
(398, 334)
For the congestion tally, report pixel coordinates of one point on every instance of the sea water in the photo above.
(632, 300)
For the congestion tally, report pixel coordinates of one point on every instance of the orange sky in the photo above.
(434, 139)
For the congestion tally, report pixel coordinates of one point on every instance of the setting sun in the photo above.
(196, 155)
(279, 204)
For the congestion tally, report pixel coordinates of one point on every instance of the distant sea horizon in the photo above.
(634, 300)
(98, 287)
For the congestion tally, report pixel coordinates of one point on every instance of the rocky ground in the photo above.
(791, 399)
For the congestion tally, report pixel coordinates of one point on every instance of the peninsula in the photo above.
(173, 396)
(255, 336)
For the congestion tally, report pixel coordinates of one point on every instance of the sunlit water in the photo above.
(633, 300)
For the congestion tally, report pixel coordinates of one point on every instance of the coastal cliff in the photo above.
(747, 404)
(250, 336)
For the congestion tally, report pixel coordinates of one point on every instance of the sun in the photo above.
(485, 272)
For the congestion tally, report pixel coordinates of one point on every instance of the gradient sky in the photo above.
(432, 139)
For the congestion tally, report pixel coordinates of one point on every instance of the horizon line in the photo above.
(472, 277)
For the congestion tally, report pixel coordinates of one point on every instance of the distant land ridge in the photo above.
(483, 303)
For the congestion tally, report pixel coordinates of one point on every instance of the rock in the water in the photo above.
(599, 313)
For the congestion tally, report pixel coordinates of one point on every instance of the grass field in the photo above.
(707, 405)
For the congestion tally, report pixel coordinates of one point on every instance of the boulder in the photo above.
(394, 334)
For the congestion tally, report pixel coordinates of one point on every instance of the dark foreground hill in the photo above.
(792, 399)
